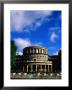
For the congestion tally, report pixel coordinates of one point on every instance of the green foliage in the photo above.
(13, 55)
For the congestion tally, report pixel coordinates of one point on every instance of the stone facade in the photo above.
(35, 59)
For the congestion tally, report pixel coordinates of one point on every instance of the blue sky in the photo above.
(40, 27)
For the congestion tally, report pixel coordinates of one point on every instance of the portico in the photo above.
(38, 67)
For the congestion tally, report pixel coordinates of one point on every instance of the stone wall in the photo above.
(35, 54)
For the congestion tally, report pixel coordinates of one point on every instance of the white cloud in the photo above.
(19, 53)
(43, 13)
(38, 23)
(54, 28)
(22, 43)
(56, 53)
(22, 19)
(53, 37)
(37, 44)
(17, 20)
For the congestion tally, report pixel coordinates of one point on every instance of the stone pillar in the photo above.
(48, 69)
(27, 68)
(31, 68)
(51, 68)
(39, 50)
(36, 68)
(36, 50)
(45, 68)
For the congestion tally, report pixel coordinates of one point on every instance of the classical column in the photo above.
(31, 68)
(36, 68)
(51, 68)
(27, 68)
(36, 50)
(48, 68)
(45, 68)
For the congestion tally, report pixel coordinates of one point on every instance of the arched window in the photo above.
(42, 51)
(33, 50)
(30, 50)
(46, 51)
(39, 50)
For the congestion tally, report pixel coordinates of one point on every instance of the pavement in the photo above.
(35, 76)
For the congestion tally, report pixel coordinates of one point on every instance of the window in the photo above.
(34, 59)
(42, 50)
(39, 50)
(33, 50)
(30, 50)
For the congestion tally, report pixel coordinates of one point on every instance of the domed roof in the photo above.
(36, 47)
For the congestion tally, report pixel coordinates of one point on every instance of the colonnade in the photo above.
(36, 50)
(47, 68)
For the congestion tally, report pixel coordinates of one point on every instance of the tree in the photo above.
(13, 55)
(59, 60)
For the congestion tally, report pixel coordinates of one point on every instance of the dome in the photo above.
(35, 49)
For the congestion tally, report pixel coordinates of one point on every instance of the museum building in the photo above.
(34, 59)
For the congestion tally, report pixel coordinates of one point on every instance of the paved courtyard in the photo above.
(36, 76)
